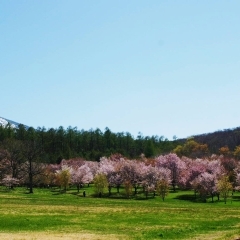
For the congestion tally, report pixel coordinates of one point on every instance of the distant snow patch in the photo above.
(4, 123)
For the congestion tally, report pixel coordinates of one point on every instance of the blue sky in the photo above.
(157, 67)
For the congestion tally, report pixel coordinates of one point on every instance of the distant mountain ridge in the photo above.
(4, 122)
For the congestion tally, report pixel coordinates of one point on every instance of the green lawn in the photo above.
(50, 214)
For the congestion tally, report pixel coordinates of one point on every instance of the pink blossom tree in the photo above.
(130, 175)
(106, 167)
(93, 166)
(117, 178)
(163, 182)
(150, 177)
(73, 163)
(194, 168)
(174, 164)
(81, 175)
(207, 185)
(215, 167)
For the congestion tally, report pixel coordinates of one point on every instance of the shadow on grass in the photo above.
(123, 196)
(120, 196)
(236, 198)
(58, 192)
(198, 199)
(111, 196)
(142, 198)
(193, 198)
(79, 194)
(6, 190)
(172, 191)
(186, 197)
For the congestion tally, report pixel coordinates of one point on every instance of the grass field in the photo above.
(50, 214)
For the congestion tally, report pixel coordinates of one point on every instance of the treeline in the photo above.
(60, 143)
(57, 144)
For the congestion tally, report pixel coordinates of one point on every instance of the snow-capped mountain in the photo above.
(4, 122)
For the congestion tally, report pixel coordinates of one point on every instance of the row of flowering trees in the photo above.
(113, 173)
(206, 177)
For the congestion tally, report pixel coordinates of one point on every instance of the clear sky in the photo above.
(157, 67)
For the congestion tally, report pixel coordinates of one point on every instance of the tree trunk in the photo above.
(146, 193)
(174, 185)
(30, 183)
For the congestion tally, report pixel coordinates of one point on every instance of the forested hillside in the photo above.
(218, 139)
(225, 142)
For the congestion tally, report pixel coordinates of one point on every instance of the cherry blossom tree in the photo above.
(194, 168)
(163, 182)
(184, 176)
(81, 175)
(174, 164)
(215, 167)
(201, 175)
(106, 167)
(93, 166)
(10, 182)
(73, 162)
(116, 178)
(207, 185)
(195, 185)
(111, 167)
(130, 172)
(150, 177)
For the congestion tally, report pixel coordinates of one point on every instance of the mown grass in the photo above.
(49, 212)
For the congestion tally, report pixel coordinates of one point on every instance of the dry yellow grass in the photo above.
(89, 236)
(58, 236)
